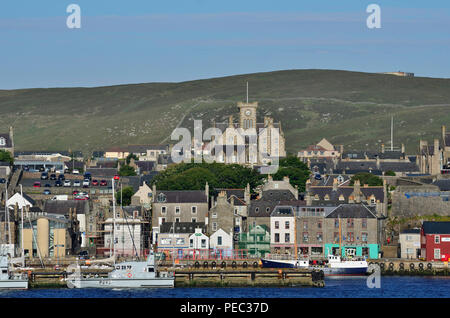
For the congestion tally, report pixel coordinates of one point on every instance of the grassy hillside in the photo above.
(349, 108)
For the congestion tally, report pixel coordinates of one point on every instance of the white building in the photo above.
(127, 236)
(21, 201)
(410, 244)
(282, 230)
(221, 240)
(198, 240)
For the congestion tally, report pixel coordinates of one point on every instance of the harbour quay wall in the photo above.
(411, 267)
(249, 278)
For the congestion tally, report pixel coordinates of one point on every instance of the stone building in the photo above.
(410, 244)
(445, 147)
(7, 142)
(179, 206)
(430, 157)
(222, 215)
(266, 145)
(282, 230)
(352, 228)
(323, 149)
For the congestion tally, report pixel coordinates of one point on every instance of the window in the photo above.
(180, 241)
(191, 243)
(277, 225)
(319, 236)
(364, 223)
(214, 226)
(214, 215)
(177, 210)
(194, 210)
(193, 220)
(166, 241)
(305, 225)
(319, 225)
(203, 243)
(437, 253)
(305, 237)
(286, 225)
(219, 240)
(436, 239)
(350, 237)
(177, 220)
(287, 238)
(161, 197)
(163, 210)
(336, 237)
(336, 223)
(349, 222)
(277, 237)
(364, 236)
(163, 220)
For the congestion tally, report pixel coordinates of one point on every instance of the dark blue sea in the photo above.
(390, 287)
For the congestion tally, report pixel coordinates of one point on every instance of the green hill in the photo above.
(349, 108)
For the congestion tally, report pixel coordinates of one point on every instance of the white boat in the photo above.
(131, 274)
(9, 279)
(338, 267)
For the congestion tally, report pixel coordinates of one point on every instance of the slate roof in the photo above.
(102, 172)
(346, 192)
(145, 166)
(282, 210)
(350, 210)
(387, 154)
(411, 231)
(436, 227)
(261, 208)
(148, 177)
(444, 185)
(277, 195)
(188, 196)
(182, 227)
(63, 206)
(138, 148)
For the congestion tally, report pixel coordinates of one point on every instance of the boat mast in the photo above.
(114, 223)
(295, 236)
(340, 237)
(21, 221)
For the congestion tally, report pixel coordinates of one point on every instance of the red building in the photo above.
(435, 241)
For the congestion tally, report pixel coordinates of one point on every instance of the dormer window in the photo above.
(2, 141)
(161, 197)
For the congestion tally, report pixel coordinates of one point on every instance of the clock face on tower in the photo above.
(248, 112)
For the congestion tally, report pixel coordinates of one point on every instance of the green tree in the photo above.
(193, 176)
(6, 157)
(297, 171)
(390, 173)
(131, 155)
(126, 170)
(124, 195)
(367, 178)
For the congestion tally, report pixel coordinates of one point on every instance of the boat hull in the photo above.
(342, 271)
(266, 263)
(121, 283)
(14, 284)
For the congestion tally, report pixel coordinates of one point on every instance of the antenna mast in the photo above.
(392, 133)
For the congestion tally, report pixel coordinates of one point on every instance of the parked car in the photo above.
(75, 171)
(75, 192)
(77, 183)
(47, 185)
(116, 177)
(103, 183)
(95, 183)
(67, 183)
(61, 177)
(58, 183)
(44, 175)
(81, 197)
(86, 183)
(46, 191)
(37, 184)
(2, 180)
(83, 255)
(87, 175)
(53, 176)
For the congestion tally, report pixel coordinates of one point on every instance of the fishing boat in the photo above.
(131, 274)
(335, 266)
(9, 279)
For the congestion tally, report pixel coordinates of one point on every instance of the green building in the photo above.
(256, 241)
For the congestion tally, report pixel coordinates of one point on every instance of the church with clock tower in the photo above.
(270, 141)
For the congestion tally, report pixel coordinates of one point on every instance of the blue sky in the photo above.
(176, 40)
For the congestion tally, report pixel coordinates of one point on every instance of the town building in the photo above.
(435, 241)
(323, 149)
(266, 145)
(222, 217)
(7, 141)
(179, 206)
(352, 229)
(430, 158)
(256, 240)
(283, 230)
(143, 152)
(409, 241)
